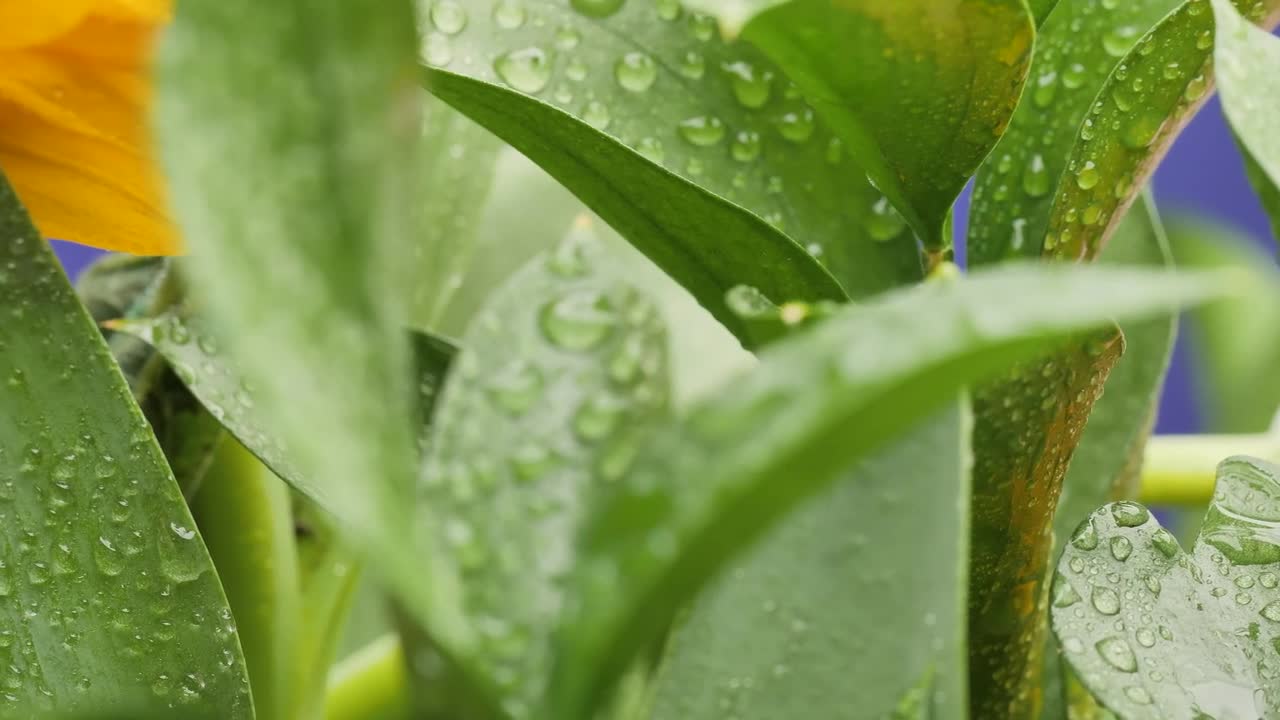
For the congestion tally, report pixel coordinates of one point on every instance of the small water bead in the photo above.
(1105, 600)
(1117, 653)
(652, 149)
(1035, 180)
(1271, 611)
(1087, 178)
(1121, 548)
(598, 417)
(579, 320)
(797, 126)
(1146, 637)
(1164, 542)
(1268, 580)
(567, 37)
(693, 65)
(1076, 564)
(1138, 695)
(575, 70)
(1063, 594)
(531, 461)
(635, 72)
(746, 146)
(702, 131)
(449, 17)
(1073, 76)
(516, 388)
(527, 70)
(1085, 536)
(703, 27)
(1129, 514)
(884, 223)
(668, 10)
(596, 8)
(1046, 88)
(596, 114)
(509, 14)
(750, 86)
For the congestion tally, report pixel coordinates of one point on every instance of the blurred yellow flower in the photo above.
(74, 141)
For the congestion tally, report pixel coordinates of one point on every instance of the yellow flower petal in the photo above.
(73, 137)
(24, 23)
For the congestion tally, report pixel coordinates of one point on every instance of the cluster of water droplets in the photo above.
(721, 116)
(562, 374)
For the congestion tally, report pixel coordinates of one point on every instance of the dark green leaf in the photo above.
(1041, 9)
(1077, 50)
(919, 90)
(876, 564)
(303, 261)
(563, 375)
(107, 594)
(1154, 632)
(706, 485)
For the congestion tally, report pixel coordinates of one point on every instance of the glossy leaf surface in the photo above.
(919, 90)
(887, 364)
(108, 597)
(779, 634)
(1156, 632)
(563, 376)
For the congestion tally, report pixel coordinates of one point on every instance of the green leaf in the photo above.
(1041, 9)
(331, 136)
(1155, 632)
(1108, 459)
(919, 90)
(563, 375)
(705, 486)
(1077, 50)
(1236, 343)
(107, 594)
(697, 141)
(875, 564)
(1138, 112)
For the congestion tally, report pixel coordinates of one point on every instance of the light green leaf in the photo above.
(1140, 108)
(107, 594)
(563, 375)
(706, 485)
(1042, 9)
(1077, 50)
(919, 90)
(1157, 633)
(1235, 344)
(305, 262)
(874, 565)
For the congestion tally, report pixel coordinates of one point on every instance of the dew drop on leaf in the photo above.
(578, 320)
(1117, 653)
(1105, 600)
(635, 72)
(527, 70)
(702, 130)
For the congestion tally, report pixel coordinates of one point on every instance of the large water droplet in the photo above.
(527, 70)
(796, 126)
(1271, 611)
(1164, 542)
(579, 320)
(703, 130)
(1105, 600)
(449, 17)
(1035, 181)
(1117, 653)
(509, 14)
(1121, 548)
(884, 223)
(1086, 536)
(751, 87)
(1129, 514)
(635, 72)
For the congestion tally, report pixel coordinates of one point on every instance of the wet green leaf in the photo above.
(1235, 344)
(1137, 113)
(563, 375)
(333, 128)
(107, 594)
(1156, 632)
(706, 485)
(574, 86)
(1077, 50)
(919, 90)
(779, 634)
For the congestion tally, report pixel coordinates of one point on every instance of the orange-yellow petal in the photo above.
(74, 140)
(24, 23)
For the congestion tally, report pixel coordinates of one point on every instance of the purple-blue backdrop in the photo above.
(1202, 174)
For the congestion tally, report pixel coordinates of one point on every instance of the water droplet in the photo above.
(635, 72)
(1129, 514)
(596, 114)
(108, 559)
(1087, 178)
(1074, 76)
(509, 14)
(516, 388)
(527, 70)
(449, 17)
(796, 126)
(596, 8)
(1118, 41)
(693, 65)
(1164, 542)
(1138, 695)
(1121, 548)
(652, 149)
(884, 223)
(1086, 536)
(1063, 594)
(746, 146)
(1117, 653)
(598, 417)
(750, 86)
(1035, 181)
(579, 320)
(1268, 580)
(1146, 637)
(532, 460)
(702, 26)
(668, 10)
(1105, 600)
(567, 37)
(703, 130)
(1271, 611)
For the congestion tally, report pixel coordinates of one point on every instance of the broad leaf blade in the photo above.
(704, 487)
(1155, 632)
(563, 376)
(318, 230)
(107, 594)
(919, 90)
(1077, 50)
(877, 561)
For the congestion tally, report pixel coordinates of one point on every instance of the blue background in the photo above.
(1203, 174)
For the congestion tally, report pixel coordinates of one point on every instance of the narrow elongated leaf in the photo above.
(1041, 9)
(1138, 112)
(1264, 186)
(107, 594)
(708, 484)
(563, 376)
(570, 85)
(878, 561)
(318, 229)
(1077, 50)
(1155, 632)
(954, 68)
(1236, 343)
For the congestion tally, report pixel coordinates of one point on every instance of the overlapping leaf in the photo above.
(1156, 632)
(886, 365)
(108, 597)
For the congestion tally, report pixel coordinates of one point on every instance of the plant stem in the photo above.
(371, 684)
(1181, 469)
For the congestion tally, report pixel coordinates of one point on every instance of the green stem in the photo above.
(371, 684)
(1181, 469)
